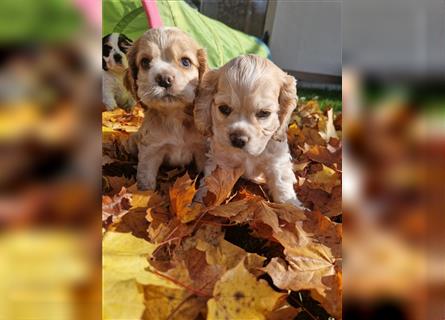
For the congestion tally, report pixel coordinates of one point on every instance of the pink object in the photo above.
(152, 12)
(92, 10)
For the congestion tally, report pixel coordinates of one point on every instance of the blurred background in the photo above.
(394, 141)
(304, 37)
(50, 146)
(393, 160)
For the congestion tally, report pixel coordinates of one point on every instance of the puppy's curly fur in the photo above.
(165, 68)
(245, 108)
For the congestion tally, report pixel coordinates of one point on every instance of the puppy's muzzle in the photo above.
(238, 140)
(164, 81)
(117, 57)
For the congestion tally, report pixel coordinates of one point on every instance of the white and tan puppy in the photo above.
(165, 68)
(245, 107)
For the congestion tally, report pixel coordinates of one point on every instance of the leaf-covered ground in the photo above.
(236, 255)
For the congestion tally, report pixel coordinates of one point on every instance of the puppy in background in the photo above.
(165, 68)
(114, 65)
(245, 107)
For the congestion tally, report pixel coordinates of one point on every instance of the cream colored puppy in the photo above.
(165, 68)
(245, 106)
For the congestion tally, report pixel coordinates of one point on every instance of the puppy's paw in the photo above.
(296, 203)
(146, 184)
(110, 105)
(129, 104)
(290, 198)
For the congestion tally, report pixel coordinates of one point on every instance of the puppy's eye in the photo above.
(225, 109)
(106, 50)
(145, 63)
(263, 114)
(186, 62)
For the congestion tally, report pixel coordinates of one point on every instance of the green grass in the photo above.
(326, 98)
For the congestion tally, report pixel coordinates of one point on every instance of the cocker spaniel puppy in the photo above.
(245, 107)
(114, 65)
(165, 68)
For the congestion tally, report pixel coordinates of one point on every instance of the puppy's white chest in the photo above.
(173, 139)
(178, 147)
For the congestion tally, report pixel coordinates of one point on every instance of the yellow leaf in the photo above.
(239, 295)
(124, 266)
(122, 300)
(140, 199)
(166, 303)
(124, 257)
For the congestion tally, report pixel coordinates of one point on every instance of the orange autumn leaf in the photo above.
(181, 199)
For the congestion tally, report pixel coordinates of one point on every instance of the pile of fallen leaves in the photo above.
(236, 255)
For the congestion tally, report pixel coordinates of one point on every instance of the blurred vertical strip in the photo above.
(50, 159)
(394, 160)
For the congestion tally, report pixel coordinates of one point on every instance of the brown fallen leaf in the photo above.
(117, 144)
(316, 199)
(219, 185)
(112, 185)
(134, 222)
(313, 265)
(285, 312)
(266, 218)
(322, 155)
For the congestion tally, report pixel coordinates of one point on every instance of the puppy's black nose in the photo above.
(164, 81)
(237, 140)
(117, 57)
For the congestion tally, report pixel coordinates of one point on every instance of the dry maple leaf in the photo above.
(163, 303)
(265, 217)
(181, 199)
(316, 199)
(239, 295)
(219, 185)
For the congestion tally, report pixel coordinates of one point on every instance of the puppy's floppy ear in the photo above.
(132, 71)
(203, 102)
(288, 102)
(104, 41)
(129, 83)
(104, 64)
(124, 43)
(202, 63)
